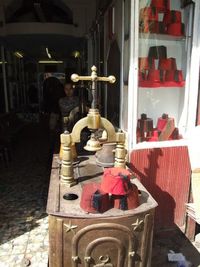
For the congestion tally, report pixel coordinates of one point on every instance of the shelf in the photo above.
(152, 85)
(166, 37)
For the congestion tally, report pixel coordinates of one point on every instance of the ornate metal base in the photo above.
(114, 238)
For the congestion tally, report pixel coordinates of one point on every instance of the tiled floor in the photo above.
(24, 222)
(23, 194)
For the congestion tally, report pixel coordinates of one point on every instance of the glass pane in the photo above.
(164, 48)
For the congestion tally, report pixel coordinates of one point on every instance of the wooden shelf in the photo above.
(166, 37)
(161, 87)
(150, 85)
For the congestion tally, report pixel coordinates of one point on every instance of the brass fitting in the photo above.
(120, 151)
(120, 137)
(67, 174)
(120, 156)
(65, 138)
(93, 119)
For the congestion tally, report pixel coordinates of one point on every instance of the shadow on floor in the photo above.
(175, 240)
(24, 184)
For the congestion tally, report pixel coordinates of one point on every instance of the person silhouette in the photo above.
(69, 107)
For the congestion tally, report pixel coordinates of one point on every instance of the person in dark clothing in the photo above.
(52, 92)
(69, 107)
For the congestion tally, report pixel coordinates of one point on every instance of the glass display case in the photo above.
(163, 80)
(161, 43)
(164, 50)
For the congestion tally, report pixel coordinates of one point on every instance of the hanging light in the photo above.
(18, 54)
(76, 54)
(50, 61)
(48, 54)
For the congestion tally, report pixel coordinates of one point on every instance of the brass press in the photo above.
(93, 121)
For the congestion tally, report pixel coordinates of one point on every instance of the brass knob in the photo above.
(75, 77)
(111, 79)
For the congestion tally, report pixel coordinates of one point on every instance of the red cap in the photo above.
(161, 123)
(172, 16)
(127, 202)
(93, 199)
(167, 64)
(176, 29)
(116, 181)
(155, 76)
(174, 75)
(161, 5)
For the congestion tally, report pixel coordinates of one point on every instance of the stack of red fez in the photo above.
(166, 75)
(165, 127)
(115, 190)
(171, 23)
(165, 130)
(144, 128)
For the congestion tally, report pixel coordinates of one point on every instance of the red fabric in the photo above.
(167, 64)
(152, 84)
(166, 127)
(154, 136)
(176, 29)
(132, 199)
(113, 181)
(154, 75)
(161, 123)
(87, 198)
(174, 75)
(172, 16)
(161, 5)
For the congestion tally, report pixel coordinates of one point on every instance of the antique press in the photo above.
(93, 121)
(89, 223)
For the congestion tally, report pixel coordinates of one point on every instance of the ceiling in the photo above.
(38, 11)
(60, 44)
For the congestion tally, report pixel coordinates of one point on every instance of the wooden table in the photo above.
(114, 238)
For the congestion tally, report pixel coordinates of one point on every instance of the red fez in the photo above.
(116, 181)
(93, 199)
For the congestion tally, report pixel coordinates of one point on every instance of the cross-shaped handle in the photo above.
(93, 77)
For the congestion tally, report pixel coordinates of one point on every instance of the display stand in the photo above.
(113, 238)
